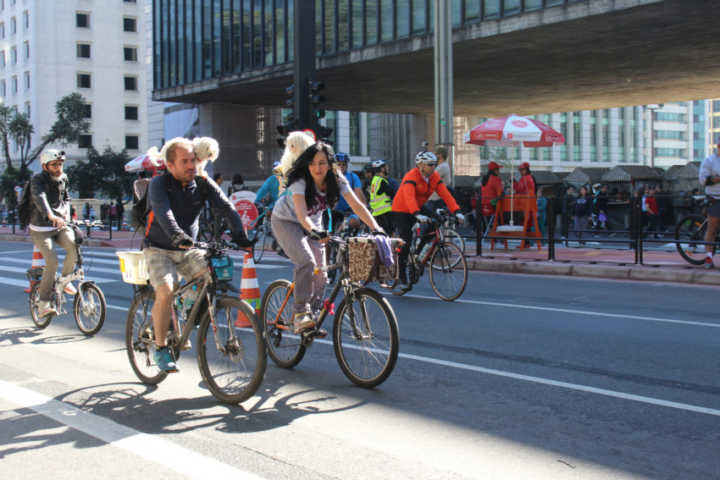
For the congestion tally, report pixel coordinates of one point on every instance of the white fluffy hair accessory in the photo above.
(206, 148)
(170, 143)
(295, 144)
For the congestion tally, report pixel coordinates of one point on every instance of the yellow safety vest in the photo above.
(379, 203)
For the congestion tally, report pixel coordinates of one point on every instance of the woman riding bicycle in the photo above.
(313, 186)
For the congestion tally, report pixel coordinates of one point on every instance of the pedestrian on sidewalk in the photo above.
(542, 204)
(652, 211)
(568, 209)
(582, 210)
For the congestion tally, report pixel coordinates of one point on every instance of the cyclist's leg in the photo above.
(66, 239)
(163, 275)
(403, 225)
(713, 225)
(44, 242)
(292, 238)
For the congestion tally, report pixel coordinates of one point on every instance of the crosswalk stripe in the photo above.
(14, 282)
(89, 268)
(95, 279)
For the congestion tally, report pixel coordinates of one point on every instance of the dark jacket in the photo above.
(48, 196)
(175, 210)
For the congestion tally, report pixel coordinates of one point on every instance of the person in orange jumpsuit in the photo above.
(492, 189)
(416, 187)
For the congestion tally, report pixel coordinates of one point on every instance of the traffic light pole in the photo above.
(304, 13)
(443, 59)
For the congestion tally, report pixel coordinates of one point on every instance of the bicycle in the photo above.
(365, 329)
(89, 306)
(690, 235)
(234, 369)
(259, 231)
(451, 234)
(448, 267)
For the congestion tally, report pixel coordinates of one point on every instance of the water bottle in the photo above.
(188, 299)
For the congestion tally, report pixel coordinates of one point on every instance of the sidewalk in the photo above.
(659, 266)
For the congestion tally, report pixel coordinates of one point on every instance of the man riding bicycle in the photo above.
(414, 191)
(50, 212)
(709, 177)
(176, 200)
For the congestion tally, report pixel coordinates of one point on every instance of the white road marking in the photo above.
(29, 252)
(14, 282)
(88, 277)
(88, 265)
(546, 381)
(567, 310)
(152, 448)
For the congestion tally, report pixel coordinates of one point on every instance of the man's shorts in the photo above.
(164, 266)
(714, 208)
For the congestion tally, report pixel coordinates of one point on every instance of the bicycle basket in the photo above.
(364, 265)
(133, 267)
(223, 267)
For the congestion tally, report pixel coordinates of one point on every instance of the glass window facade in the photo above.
(195, 40)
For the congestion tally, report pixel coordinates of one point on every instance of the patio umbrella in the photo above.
(147, 161)
(514, 131)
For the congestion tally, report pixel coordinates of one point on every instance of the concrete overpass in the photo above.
(583, 55)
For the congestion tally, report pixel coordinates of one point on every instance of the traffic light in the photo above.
(290, 97)
(316, 99)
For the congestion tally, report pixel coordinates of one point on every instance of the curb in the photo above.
(629, 272)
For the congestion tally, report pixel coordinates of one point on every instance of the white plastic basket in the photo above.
(133, 267)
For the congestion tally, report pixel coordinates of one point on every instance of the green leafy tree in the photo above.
(16, 127)
(102, 172)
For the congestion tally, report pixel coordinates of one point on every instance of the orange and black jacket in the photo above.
(414, 192)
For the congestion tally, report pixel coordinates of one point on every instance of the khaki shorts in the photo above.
(164, 266)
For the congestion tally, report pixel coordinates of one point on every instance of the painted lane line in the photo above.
(91, 268)
(156, 450)
(90, 260)
(29, 252)
(578, 312)
(546, 381)
(88, 277)
(14, 282)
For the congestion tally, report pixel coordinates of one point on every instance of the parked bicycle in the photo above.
(89, 306)
(448, 267)
(231, 352)
(690, 235)
(365, 329)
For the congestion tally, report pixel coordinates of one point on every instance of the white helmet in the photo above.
(50, 155)
(428, 158)
(377, 163)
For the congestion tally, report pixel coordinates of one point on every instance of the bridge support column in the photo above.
(443, 59)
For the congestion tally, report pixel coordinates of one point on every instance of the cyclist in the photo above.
(270, 188)
(381, 195)
(709, 177)
(313, 186)
(415, 188)
(343, 159)
(176, 200)
(50, 212)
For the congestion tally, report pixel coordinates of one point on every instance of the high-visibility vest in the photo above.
(379, 203)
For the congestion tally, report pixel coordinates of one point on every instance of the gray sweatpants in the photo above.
(306, 254)
(45, 241)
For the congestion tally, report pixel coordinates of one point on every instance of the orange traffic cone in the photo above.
(249, 289)
(37, 262)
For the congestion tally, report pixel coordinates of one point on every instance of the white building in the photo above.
(49, 49)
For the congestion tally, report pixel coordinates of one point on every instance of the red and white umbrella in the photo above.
(514, 131)
(144, 162)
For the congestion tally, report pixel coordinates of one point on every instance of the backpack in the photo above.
(24, 208)
(141, 209)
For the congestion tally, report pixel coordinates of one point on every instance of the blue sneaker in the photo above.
(165, 361)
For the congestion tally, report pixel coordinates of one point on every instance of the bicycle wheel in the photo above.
(454, 237)
(276, 314)
(140, 339)
(691, 228)
(448, 271)
(365, 338)
(40, 322)
(89, 308)
(259, 247)
(231, 357)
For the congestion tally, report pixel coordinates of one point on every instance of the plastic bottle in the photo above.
(188, 299)
(424, 252)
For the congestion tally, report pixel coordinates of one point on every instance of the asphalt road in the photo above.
(523, 377)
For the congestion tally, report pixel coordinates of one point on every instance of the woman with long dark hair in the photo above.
(313, 186)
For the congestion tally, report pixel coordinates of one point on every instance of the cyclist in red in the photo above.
(416, 187)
